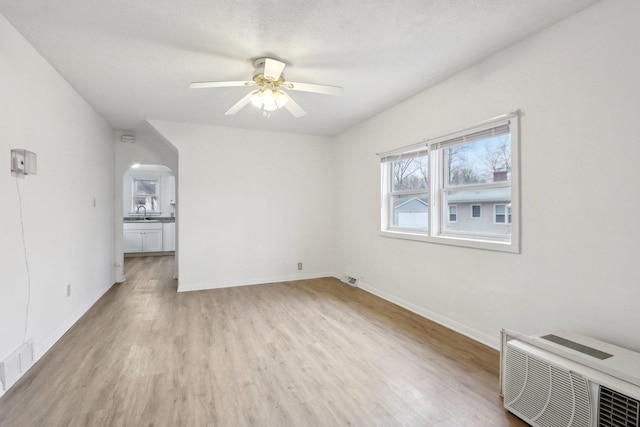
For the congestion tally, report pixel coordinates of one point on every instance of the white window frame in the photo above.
(455, 213)
(388, 197)
(438, 210)
(479, 211)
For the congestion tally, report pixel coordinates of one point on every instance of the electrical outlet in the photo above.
(69, 290)
(299, 266)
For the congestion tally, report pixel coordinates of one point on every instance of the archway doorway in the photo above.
(148, 212)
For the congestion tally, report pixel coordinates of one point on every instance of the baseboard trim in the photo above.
(474, 334)
(144, 254)
(41, 345)
(250, 282)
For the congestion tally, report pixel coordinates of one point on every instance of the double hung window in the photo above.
(458, 189)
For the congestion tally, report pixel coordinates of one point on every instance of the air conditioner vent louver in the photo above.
(617, 410)
(539, 392)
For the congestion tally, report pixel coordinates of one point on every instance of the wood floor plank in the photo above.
(304, 353)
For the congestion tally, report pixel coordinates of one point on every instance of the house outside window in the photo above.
(437, 190)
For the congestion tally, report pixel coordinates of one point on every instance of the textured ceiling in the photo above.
(133, 60)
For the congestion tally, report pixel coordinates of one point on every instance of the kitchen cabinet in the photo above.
(142, 237)
(169, 236)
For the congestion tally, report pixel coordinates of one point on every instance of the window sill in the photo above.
(491, 245)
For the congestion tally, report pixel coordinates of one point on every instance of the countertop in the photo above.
(129, 219)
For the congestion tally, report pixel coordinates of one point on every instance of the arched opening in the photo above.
(148, 212)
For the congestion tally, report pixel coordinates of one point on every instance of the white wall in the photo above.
(252, 204)
(68, 239)
(578, 85)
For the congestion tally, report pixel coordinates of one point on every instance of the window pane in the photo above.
(410, 174)
(453, 213)
(500, 214)
(476, 211)
(478, 162)
(145, 187)
(410, 211)
(482, 200)
(149, 202)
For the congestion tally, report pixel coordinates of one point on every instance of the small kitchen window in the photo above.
(145, 194)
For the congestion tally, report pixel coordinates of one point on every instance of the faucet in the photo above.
(138, 210)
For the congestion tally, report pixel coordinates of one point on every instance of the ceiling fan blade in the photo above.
(239, 105)
(273, 68)
(293, 107)
(202, 85)
(311, 87)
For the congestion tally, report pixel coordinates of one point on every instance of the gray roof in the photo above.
(412, 205)
(502, 194)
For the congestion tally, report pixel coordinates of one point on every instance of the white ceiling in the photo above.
(133, 59)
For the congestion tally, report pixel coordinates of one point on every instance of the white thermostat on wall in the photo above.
(23, 162)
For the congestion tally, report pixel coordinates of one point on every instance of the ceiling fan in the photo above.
(270, 96)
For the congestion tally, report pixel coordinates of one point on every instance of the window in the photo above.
(502, 214)
(427, 185)
(409, 195)
(145, 193)
(453, 213)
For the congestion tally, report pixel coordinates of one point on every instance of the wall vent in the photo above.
(616, 409)
(14, 366)
(350, 279)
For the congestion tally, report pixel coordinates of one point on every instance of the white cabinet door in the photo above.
(152, 241)
(142, 237)
(132, 241)
(169, 236)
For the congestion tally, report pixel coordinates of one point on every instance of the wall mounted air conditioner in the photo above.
(566, 379)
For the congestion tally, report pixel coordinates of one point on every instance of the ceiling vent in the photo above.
(128, 138)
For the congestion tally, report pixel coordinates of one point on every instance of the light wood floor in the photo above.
(305, 353)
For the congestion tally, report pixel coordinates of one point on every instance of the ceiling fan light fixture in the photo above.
(268, 97)
(280, 97)
(269, 100)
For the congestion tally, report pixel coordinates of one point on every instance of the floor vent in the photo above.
(15, 365)
(350, 279)
(617, 410)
